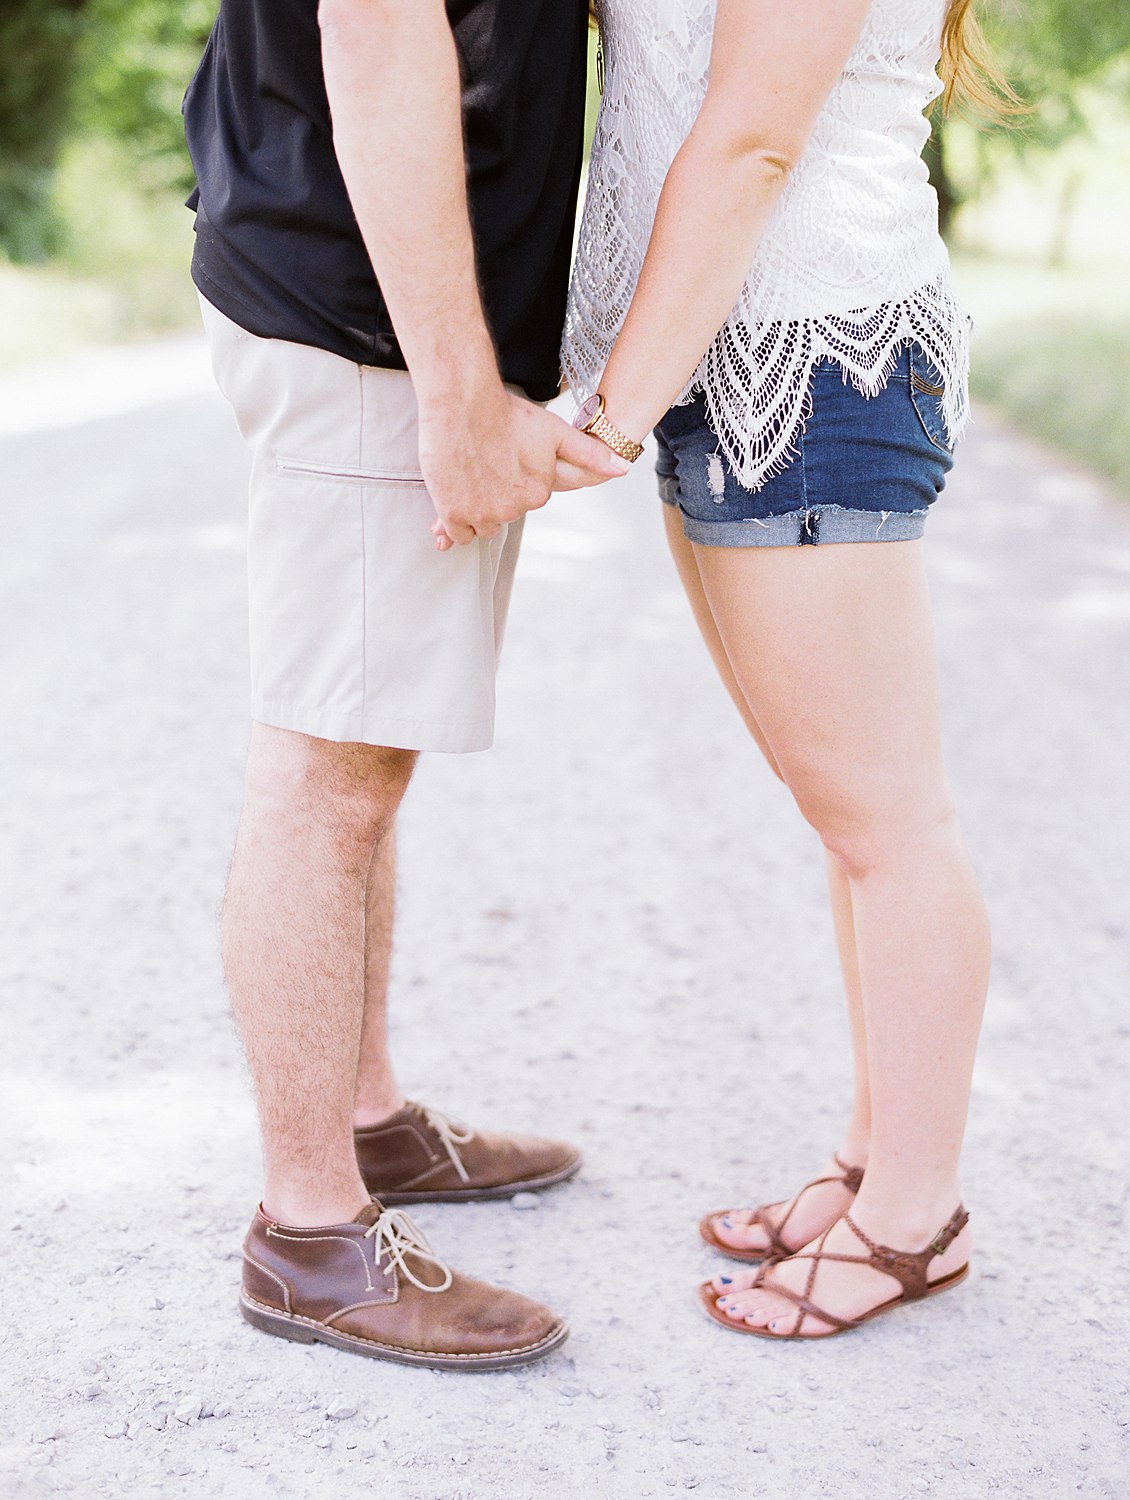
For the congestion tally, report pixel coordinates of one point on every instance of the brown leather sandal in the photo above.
(776, 1248)
(909, 1267)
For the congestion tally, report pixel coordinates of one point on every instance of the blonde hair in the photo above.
(969, 72)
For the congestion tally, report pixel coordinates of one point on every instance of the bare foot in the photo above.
(846, 1290)
(798, 1220)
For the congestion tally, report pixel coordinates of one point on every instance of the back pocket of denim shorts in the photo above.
(927, 392)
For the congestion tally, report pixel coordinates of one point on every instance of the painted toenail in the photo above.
(725, 1280)
(726, 1223)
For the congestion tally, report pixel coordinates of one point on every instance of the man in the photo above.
(364, 167)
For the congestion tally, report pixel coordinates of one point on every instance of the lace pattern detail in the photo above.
(757, 377)
(851, 266)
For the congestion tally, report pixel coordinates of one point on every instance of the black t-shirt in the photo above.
(277, 245)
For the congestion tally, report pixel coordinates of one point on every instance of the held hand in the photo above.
(485, 472)
(583, 461)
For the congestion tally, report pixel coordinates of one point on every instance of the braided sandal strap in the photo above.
(806, 1308)
(802, 1301)
(910, 1268)
(776, 1247)
(851, 1179)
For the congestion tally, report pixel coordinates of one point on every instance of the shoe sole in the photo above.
(480, 1195)
(307, 1331)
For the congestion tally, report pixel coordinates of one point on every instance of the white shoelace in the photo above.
(395, 1232)
(451, 1136)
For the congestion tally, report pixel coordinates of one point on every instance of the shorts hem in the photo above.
(375, 729)
(815, 526)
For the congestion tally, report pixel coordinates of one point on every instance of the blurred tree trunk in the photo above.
(40, 42)
(1065, 209)
(935, 159)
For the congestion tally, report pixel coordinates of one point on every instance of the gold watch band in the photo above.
(600, 427)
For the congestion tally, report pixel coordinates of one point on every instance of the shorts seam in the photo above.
(669, 489)
(364, 553)
(288, 706)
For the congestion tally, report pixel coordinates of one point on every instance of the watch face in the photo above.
(589, 412)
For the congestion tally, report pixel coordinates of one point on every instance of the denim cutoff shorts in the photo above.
(866, 468)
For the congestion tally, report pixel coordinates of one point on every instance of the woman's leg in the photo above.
(686, 564)
(856, 1145)
(822, 1205)
(833, 649)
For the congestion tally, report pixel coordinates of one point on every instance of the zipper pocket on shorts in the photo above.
(347, 472)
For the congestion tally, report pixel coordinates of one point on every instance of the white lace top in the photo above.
(851, 264)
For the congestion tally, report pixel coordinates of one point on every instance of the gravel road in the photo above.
(613, 929)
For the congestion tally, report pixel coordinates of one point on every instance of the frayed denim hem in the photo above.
(816, 526)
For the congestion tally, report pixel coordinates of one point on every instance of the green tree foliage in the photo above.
(114, 68)
(140, 56)
(40, 56)
(1051, 50)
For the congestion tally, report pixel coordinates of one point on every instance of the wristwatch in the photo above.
(591, 419)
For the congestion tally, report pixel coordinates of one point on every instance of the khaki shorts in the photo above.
(360, 630)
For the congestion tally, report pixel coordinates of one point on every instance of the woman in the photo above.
(767, 158)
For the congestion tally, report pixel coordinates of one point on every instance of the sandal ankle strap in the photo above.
(910, 1267)
(945, 1237)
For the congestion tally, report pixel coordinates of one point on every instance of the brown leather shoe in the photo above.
(375, 1287)
(421, 1156)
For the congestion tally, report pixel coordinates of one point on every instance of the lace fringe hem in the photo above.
(757, 376)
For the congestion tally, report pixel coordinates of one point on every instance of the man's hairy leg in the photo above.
(378, 1094)
(294, 955)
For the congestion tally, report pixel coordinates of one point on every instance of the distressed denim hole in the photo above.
(716, 478)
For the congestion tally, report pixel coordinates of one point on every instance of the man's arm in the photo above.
(392, 77)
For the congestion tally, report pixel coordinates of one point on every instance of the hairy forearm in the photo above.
(715, 204)
(392, 78)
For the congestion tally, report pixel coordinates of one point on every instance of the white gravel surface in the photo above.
(613, 929)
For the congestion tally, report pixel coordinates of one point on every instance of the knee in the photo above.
(866, 827)
(351, 790)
